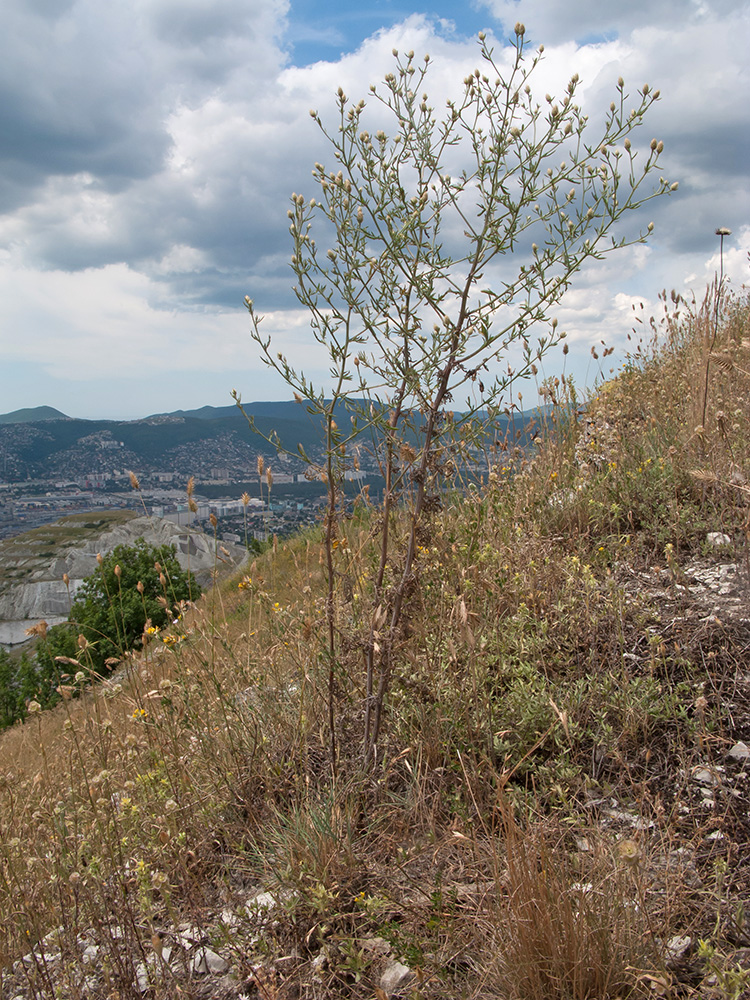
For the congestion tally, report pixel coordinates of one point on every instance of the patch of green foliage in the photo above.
(135, 586)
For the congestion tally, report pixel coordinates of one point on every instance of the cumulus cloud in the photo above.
(150, 148)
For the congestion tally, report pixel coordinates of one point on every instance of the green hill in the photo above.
(32, 414)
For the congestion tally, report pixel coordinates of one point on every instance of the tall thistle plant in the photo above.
(434, 247)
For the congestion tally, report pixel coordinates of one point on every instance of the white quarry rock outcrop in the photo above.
(44, 594)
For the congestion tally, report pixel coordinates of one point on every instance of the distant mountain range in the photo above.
(32, 414)
(208, 442)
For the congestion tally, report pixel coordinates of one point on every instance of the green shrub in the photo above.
(135, 585)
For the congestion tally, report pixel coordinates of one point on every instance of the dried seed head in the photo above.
(269, 478)
(191, 486)
(134, 481)
(245, 499)
(118, 571)
(99, 558)
(629, 852)
(260, 464)
(723, 231)
(139, 587)
(213, 519)
(192, 506)
(39, 629)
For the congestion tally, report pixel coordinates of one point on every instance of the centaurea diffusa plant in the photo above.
(428, 283)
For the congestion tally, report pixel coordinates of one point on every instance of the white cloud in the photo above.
(150, 150)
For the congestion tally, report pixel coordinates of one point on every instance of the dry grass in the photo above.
(534, 687)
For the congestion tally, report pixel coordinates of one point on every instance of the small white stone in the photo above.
(396, 977)
(229, 918)
(375, 945)
(263, 901)
(717, 539)
(740, 751)
(320, 961)
(206, 961)
(706, 776)
(141, 977)
(677, 946)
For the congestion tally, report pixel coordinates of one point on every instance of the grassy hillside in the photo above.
(557, 807)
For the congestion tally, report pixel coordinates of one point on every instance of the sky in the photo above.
(149, 149)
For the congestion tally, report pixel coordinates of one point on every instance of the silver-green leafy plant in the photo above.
(445, 241)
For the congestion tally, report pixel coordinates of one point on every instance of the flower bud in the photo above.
(520, 29)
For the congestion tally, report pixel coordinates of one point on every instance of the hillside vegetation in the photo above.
(557, 805)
